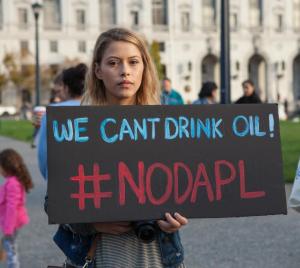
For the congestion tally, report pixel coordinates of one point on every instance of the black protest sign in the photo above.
(115, 163)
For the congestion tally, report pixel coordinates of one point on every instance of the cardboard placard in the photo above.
(115, 163)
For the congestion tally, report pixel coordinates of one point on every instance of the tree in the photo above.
(155, 54)
(3, 81)
(22, 73)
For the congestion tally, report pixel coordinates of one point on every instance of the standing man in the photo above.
(170, 96)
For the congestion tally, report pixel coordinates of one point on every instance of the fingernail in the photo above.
(176, 214)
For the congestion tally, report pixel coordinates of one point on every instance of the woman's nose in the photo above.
(124, 70)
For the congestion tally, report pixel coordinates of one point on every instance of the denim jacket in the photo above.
(76, 246)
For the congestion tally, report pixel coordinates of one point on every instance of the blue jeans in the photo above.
(11, 248)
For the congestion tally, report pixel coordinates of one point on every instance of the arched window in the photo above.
(52, 14)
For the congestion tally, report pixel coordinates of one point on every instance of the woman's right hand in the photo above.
(115, 228)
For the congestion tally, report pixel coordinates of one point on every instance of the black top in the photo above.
(254, 98)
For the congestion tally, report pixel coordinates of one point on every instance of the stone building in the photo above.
(265, 40)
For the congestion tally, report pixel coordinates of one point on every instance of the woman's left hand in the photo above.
(172, 224)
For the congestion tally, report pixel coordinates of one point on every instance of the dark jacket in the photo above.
(254, 98)
(75, 241)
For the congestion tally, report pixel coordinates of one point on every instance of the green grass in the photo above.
(20, 130)
(290, 140)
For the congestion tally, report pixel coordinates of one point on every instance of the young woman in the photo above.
(122, 73)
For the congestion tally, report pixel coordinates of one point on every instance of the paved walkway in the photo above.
(254, 242)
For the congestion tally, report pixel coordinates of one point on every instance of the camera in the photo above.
(145, 230)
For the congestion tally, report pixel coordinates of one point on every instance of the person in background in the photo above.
(57, 89)
(39, 111)
(70, 94)
(170, 96)
(281, 109)
(13, 212)
(250, 95)
(207, 94)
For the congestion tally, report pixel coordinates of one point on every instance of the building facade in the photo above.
(265, 38)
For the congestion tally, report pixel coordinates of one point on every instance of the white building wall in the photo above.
(181, 47)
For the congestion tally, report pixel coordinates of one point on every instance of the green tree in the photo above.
(155, 54)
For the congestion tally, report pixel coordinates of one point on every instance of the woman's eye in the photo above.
(112, 63)
(134, 62)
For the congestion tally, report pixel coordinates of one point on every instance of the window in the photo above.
(161, 46)
(24, 47)
(22, 18)
(185, 21)
(80, 19)
(296, 10)
(1, 15)
(278, 22)
(234, 21)
(53, 46)
(52, 14)
(209, 13)
(82, 46)
(134, 18)
(159, 12)
(256, 14)
(107, 12)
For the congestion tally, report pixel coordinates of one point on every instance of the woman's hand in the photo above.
(172, 224)
(115, 228)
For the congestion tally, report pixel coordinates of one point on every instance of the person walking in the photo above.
(250, 95)
(13, 212)
(207, 94)
(169, 95)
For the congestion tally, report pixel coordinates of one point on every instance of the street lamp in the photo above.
(36, 8)
(225, 52)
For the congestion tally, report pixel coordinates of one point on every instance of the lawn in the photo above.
(290, 140)
(17, 129)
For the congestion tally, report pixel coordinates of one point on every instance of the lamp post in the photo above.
(225, 52)
(37, 7)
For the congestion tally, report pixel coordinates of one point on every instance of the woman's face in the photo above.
(121, 71)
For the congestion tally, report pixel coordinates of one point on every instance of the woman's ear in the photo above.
(98, 72)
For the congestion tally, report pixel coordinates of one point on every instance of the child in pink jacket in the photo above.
(13, 213)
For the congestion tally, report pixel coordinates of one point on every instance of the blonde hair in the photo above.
(148, 93)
